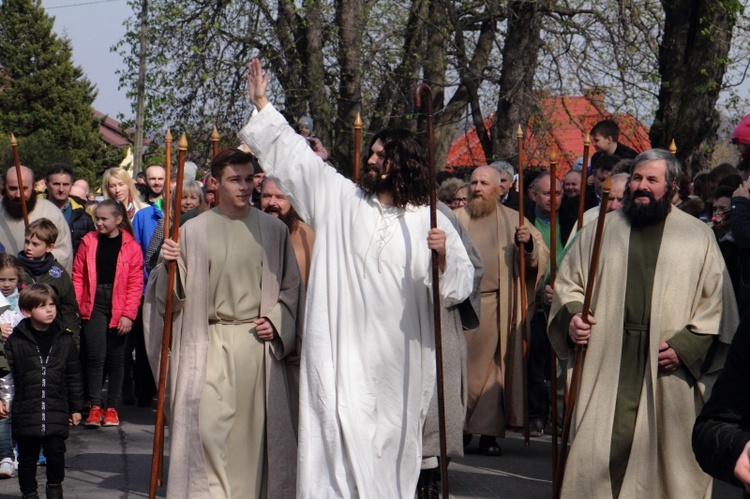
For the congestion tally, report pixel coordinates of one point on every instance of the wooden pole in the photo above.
(215, 143)
(166, 200)
(673, 148)
(580, 350)
(423, 93)
(584, 179)
(167, 331)
(522, 283)
(19, 175)
(552, 276)
(357, 147)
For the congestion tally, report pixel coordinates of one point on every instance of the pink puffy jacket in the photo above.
(128, 285)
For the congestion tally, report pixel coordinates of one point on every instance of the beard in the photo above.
(481, 207)
(372, 182)
(12, 206)
(290, 218)
(645, 215)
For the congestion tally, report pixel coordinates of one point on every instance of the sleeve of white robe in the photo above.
(312, 186)
(457, 281)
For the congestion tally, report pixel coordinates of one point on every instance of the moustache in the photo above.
(643, 193)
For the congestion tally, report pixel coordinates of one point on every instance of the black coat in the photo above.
(44, 397)
(723, 426)
(80, 223)
(740, 222)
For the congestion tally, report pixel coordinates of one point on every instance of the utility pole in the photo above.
(141, 91)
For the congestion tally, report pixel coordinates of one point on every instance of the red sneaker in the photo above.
(95, 417)
(111, 418)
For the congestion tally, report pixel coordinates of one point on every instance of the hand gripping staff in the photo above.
(522, 286)
(17, 163)
(156, 458)
(580, 350)
(423, 91)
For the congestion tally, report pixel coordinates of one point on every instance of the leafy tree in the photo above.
(44, 99)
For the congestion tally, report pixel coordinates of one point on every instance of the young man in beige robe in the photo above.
(661, 318)
(233, 427)
(494, 351)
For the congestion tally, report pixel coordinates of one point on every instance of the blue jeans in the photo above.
(6, 439)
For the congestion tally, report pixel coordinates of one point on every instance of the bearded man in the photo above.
(155, 177)
(368, 361)
(661, 318)
(494, 351)
(12, 228)
(274, 202)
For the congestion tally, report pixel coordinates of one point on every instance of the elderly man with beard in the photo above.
(368, 362)
(274, 202)
(155, 177)
(12, 228)
(494, 351)
(661, 318)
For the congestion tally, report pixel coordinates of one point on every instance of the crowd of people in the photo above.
(302, 359)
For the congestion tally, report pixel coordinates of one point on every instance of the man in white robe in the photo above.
(368, 360)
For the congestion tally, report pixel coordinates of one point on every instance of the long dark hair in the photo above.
(408, 179)
(120, 211)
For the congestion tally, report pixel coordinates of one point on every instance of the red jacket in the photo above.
(128, 285)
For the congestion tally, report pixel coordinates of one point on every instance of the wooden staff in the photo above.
(580, 350)
(357, 146)
(423, 91)
(584, 178)
(673, 148)
(522, 279)
(215, 144)
(552, 276)
(167, 331)
(166, 200)
(21, 190)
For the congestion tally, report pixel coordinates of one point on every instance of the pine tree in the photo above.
(44, 99)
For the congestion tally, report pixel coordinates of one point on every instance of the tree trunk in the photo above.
(520, 59)
(692, 61)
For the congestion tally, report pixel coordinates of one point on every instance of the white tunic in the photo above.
(368, 361)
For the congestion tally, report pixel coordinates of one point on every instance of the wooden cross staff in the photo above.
(580, 350)
(158, 451)
(423, 91)
(522, 283)
(21, 190)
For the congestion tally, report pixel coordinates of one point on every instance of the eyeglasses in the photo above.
(457, 202)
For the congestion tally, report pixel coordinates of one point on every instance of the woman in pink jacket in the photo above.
(108, 279)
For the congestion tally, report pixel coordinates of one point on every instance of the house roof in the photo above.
(111, 131)
(559, 127)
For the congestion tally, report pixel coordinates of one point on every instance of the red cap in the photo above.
(741, 134)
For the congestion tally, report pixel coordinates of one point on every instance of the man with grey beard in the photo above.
(494, 351)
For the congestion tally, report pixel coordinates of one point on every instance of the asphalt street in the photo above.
(115, 463)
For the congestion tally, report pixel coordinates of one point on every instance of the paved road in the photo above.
(116, 462)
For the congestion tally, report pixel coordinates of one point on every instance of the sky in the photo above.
(93, 27)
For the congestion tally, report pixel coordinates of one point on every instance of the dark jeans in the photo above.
(138, 372)
(28, 455)
(104, 345)
(538, 368)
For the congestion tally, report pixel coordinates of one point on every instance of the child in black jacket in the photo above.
(48, 389)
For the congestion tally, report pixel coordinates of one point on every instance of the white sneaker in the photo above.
(6, 468)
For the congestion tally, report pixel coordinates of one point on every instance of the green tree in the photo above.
(44, 99)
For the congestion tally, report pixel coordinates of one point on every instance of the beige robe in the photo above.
(187, 368)
(689, 290)
(495, 350)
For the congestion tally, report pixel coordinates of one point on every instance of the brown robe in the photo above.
(187, 366)
(495, 350)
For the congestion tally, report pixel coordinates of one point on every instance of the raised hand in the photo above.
(257, 84)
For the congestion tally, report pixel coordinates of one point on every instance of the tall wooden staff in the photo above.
(21, 190)
(584, 179)
(167, 331)
(580, 350)
(522, 282)
(215, 146)
(423, 91)
(552, 276)
(166, 201)
(357, 146)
